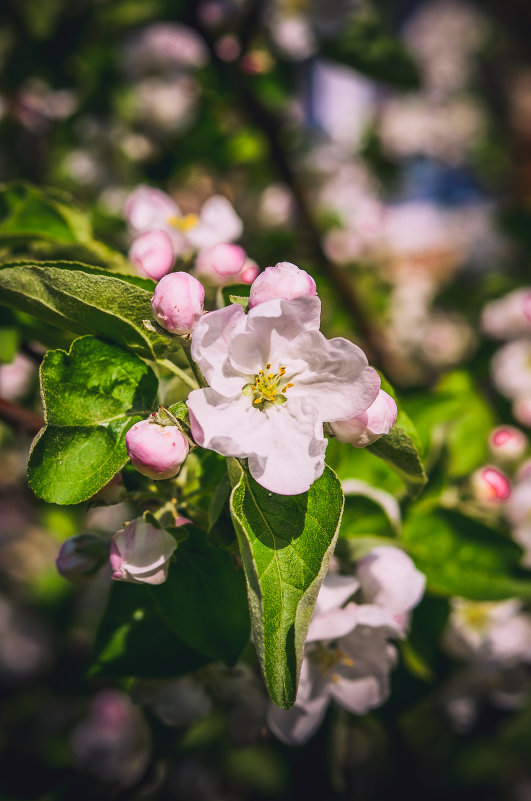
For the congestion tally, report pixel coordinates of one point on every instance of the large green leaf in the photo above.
(87, 300)
(461, 556)
(286, 543)
(203, 599)
(50, 222)
(133, 639)
(91, 396)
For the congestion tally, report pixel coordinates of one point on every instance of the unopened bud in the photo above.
(140, 553)
(80, 557)
(152, 252)
(490, 485)
(221, 264)
(177, 303)
(507, 444)
(156, 451)
(369, 426)
(284, 280)
(249, 272)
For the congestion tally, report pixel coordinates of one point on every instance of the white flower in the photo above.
(496, 631)
(148, 208)
(348, 659)
(511, 369)
(274, 380)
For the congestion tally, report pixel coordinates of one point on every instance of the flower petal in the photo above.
(295, 457)
(210, 345)
(296, 725)
(230, 426)
(333, 624)
(335, 590)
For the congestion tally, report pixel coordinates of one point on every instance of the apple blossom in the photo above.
(489, 630)
(521, 409)
(347, 659)
(273, 381)
(370, 425)
(152, 252)
(140, 553)
(80, 557)
(177, 302)
(507, 443)
(511, 369)
(221, 264)
(508, 317)
(388, 578)
(284, 280)
(157, 451)
(490, 485)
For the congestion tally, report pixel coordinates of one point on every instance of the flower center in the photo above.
(329, 657)
(476, 616)
(184, 223)
(268, 388)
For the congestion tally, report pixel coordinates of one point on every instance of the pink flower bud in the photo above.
(81, 556)
(156, 451)
(284, 280)
(140, 553)
(152, 252)
(177, 303)
(369, 426)
(490, 485)
(250, 271)
(507, 444)
(221, 264)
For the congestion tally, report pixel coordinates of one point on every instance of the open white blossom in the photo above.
(274, 379)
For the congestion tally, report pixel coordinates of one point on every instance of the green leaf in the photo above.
(86, 300)
(51, 221)
(133, 639)
(286, 543)
(461, 556)
(203, 599)
(401, 449)
(240, 300)
(91, 396)
(370, 48)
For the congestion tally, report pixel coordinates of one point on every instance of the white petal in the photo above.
(230, 426)
(338, 379)
(218, 222)
(389, 578)
(335, 590)
(359, 695)
(210, 346)
(296, 725)
(295, 458)
(333, 624)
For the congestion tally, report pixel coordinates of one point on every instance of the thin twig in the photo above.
(20, 418)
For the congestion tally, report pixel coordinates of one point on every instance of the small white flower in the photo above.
(274, 380)
(348, 659)
(511, 369)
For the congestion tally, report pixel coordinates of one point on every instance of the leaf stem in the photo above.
(169, 365)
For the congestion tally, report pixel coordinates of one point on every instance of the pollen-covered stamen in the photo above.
(329, 658)
(184, 223)
(266, 387)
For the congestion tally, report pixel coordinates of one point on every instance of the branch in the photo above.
(20, 418)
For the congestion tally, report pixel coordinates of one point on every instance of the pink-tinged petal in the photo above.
(148, 208)
(373, 423)
(152, 252)
(140, 553)
(338, 379)
(378, 617)
(335, 590)
(389, 579)
(210, 346)
(296, 725)
(218, 222)
(333, 624)
(249, 272)
(359, 695)
(284, 280)
(490, 485)
(220, 264)
(295, 457)
(229, 426)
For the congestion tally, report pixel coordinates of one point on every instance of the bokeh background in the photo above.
(384, 147)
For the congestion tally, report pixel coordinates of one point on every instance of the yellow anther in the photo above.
(270, 376)
(184, 223)
(268, 366)
(287, 387)
(258, 400)
(346, 660)
(335, 678)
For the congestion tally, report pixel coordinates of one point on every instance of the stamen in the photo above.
(265, 389)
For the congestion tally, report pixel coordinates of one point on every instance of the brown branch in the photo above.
(20, 418)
